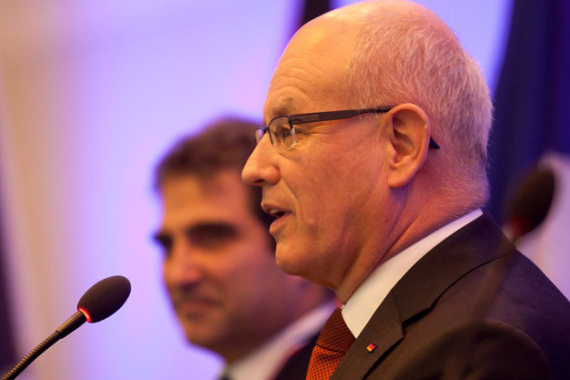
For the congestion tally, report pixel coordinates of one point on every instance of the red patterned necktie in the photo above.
(333, 342)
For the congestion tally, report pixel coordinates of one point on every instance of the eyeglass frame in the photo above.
(314, 117)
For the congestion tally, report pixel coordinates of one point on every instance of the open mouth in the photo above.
(276, 213)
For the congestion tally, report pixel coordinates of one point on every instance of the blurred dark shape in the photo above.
(533, 93)
(313, 9)
(530, 201)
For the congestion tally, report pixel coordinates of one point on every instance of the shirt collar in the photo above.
(370, 294)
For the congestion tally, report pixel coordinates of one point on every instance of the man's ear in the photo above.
(408, 129)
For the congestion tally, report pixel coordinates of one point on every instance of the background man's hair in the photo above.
(223, 145)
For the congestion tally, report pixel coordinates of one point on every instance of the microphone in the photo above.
(529, 207)
(530, 204)
(99, 302)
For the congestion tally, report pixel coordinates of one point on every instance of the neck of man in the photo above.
(416, 219)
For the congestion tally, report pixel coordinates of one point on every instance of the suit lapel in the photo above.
(467, 249)
(419, 290)
(387, 332)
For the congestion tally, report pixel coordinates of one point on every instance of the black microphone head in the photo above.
(531, 202)
(104, 298)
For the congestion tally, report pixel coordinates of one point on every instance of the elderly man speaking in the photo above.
(373, 163)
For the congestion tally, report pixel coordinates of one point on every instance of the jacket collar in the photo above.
(419, 289)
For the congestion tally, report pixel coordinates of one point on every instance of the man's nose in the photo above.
(260, 167)
(182, 266)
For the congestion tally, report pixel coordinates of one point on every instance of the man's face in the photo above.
(327, 191)
(219, 268)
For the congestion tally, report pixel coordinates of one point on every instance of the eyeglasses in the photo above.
(283, 135)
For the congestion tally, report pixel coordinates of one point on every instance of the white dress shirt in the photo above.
(370, 294)
(265, 362)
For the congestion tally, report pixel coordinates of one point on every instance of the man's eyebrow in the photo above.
(282, 109)
(210, 226)
(162, 237)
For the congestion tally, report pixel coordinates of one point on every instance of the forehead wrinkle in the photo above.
(286, 99)
(297, 71)
(309, 65)
(302, 86)
(295, 76)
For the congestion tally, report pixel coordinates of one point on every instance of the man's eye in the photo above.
(283, 132)
(284, 135)
(300, 130)
(212, 236)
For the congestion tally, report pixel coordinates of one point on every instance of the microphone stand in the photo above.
(65, 329)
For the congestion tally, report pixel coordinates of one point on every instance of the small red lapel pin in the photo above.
(371, 347)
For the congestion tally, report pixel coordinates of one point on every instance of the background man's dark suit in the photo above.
(425, 323)
(296, 366)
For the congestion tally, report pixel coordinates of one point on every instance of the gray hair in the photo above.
(401, 58)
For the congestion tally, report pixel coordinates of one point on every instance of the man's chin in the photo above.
(283, 261)
(290, 261)
(203, 337)
(302, 263)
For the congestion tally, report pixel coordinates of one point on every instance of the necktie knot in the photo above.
(335, 335)
(334, 341)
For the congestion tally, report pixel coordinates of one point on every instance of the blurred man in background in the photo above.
(219, 264)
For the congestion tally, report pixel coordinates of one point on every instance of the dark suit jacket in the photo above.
(425, 329)
(295, 368)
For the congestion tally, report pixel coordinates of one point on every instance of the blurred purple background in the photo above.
(91, 95)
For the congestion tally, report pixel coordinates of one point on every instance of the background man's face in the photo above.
(219, 269)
